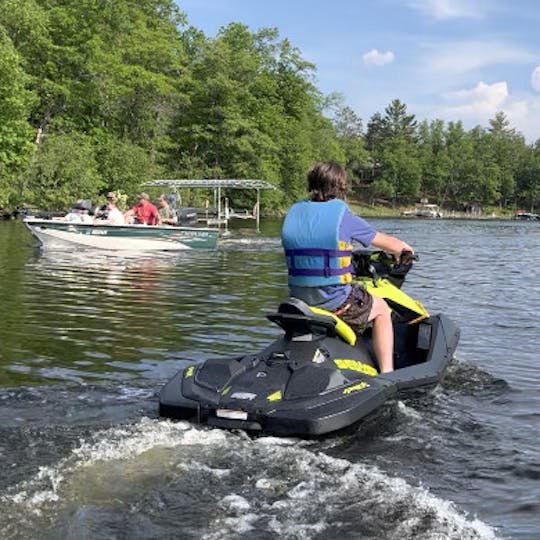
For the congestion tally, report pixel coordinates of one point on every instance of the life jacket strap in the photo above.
(327, 270)
(317, 252)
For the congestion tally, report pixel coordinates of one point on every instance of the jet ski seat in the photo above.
(297, 318)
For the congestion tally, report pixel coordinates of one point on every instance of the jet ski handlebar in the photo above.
(381, 264)
(407, 257)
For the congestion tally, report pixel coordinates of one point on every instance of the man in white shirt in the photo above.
(110, 214)
(79, 213)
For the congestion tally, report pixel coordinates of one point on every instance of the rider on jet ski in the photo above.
(317, 237)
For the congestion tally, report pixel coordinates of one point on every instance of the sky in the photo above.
(445, 59)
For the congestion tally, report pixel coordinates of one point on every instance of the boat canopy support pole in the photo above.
(219, 207)
(257, 207)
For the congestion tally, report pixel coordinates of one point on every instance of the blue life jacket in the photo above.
(316, 255)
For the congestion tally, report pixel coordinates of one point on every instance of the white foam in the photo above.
(243, 524)
(290, 529)
(308, 493)
(218, 473)
(408, 411)
(234, 503)
(325, 485)
(277, 441)
(113, 444)
(269, 484)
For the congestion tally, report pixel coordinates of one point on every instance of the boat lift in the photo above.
(223, 214)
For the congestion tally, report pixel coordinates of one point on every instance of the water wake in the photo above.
(158, 478)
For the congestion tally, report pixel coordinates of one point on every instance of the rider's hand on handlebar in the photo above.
(406, 256)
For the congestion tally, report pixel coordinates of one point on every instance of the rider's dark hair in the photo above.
(327, 180)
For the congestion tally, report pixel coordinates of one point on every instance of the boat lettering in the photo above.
(188, 234)
(359, 386)
(189, 371)
(355, 365)
(98, 232)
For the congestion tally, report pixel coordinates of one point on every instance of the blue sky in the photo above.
(449, 59)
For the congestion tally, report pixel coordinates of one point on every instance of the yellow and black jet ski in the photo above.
(319, 376)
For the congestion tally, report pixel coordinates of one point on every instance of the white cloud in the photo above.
(448, 9)
(478, 105)
(535, 78)
(376, 58)
(482, 97)
(524, 115)
(463, 56)
(460, 65)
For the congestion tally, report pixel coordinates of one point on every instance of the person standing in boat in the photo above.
(109, 213)
(317, 237)
(166, 212)
(144, 212)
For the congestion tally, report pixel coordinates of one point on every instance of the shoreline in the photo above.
(367, 212)
(398, 213)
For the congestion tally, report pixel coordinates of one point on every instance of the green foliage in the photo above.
(394, 141)
(351, 139)
(382, 189)
(122, 165)
(99, 95)
(528, 179)
(401, 170)
(435, 160)
(15, 103)
(63, 170)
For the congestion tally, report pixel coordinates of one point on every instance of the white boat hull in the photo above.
(53, 234)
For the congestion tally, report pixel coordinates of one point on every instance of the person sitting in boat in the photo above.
(317, 237)
(80, 212)
(109, 213)
(166, 212)
(144, 212)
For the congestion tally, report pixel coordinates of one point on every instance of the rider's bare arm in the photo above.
(391, 244)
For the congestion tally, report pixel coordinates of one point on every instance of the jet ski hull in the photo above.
(306, 384)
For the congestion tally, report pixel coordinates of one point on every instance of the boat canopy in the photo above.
(213, 183)
(217, 184)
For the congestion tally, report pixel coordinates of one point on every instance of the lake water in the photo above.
(88, 339)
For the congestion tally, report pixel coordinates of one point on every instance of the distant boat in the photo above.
(58, 234)
(424, 210)
(526, 216)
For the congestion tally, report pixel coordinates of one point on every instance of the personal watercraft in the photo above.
(319, 376)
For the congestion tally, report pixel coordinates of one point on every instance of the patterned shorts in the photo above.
(355, 310)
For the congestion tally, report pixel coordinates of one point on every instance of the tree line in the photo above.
(98, 96)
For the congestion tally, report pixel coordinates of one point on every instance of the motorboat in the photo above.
(61, 234)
